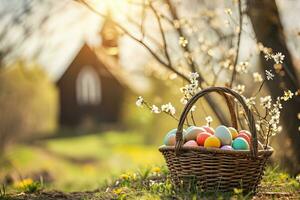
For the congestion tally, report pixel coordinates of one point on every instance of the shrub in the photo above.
(27, 103)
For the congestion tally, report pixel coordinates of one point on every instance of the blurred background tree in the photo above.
(27, 103)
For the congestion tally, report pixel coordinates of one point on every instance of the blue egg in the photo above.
(170, 133)
(223, 133)
(240, 144)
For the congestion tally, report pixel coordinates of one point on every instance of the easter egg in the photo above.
(209, 129)
(192, 132)
(170, 140)
(223, 133)
(212, 141)
(190, 143)
(240, 144)
(234, 132)
(246, 132)
(171, 132)
(202, 137)
(245, 136)
(226, 147)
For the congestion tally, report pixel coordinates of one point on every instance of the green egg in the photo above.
(240, 144)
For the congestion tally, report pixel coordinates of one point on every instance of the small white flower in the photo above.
(298, 178)
(266, 102)
(287, 95)
(269, 75)
(193, 108)
(139, 102)
(208, 119)
(250, 101)
(242, 67)
(239, 89)
(278, 58)
(228, 11)
(257, 77)
(257, 127)
(168, 108)
(184, 100)
(155, 109)
(182, 41)
(193, 75)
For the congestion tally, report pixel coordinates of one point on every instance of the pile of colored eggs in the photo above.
(225, 138)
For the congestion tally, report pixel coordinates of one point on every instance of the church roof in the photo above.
(110, 63)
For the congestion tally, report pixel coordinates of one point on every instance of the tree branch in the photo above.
(238, 42)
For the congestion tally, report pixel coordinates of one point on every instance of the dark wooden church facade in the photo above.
(88, 90)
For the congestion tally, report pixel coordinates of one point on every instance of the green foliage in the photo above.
(84, 162)
(28, 186)
(157, 185)
(2, 192)
(27, 103)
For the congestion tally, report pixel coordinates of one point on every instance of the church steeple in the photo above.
(110, 36)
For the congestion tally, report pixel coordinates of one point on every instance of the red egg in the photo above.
(245, 136)
(209, 129)
(190, 143)
(201, 137)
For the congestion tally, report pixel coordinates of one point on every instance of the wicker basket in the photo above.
(211, 169)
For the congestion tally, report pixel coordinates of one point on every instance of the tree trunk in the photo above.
(269, 31)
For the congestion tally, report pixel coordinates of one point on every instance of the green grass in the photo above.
(85, 162)
(109, 161)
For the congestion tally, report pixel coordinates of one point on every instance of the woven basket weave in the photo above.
(212, 169)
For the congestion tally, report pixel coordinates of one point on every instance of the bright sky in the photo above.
(76, 24)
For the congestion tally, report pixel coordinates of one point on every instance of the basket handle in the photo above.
(220, 90)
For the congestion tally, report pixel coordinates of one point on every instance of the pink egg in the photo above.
(190, 143)
(246, 132)
(209, 129)
(226, 147)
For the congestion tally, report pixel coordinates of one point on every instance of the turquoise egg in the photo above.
(192, 133)
(223, 133)
(171, 133)
(240, 144)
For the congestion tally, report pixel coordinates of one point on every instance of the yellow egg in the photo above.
(234, 132)
(212, 141)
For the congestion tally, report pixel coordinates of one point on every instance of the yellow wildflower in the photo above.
(23, 183)
(156, 170)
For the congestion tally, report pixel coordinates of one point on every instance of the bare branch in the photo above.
(238, 42)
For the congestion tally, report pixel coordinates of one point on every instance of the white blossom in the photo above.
(208, 119)
(184, 100)
(193, 108)
(242, 67)
(269, 74)
(287, 95)
(239, 89)
(183, 42)
(139, 102)
(266, 102)
(250, 101)
(278, 58)
(298, 178)
(257, 77)
(193, 76)
(168, 108)
(155, 109)
(228, 11)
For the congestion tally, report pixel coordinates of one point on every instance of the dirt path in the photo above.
(96, 195)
